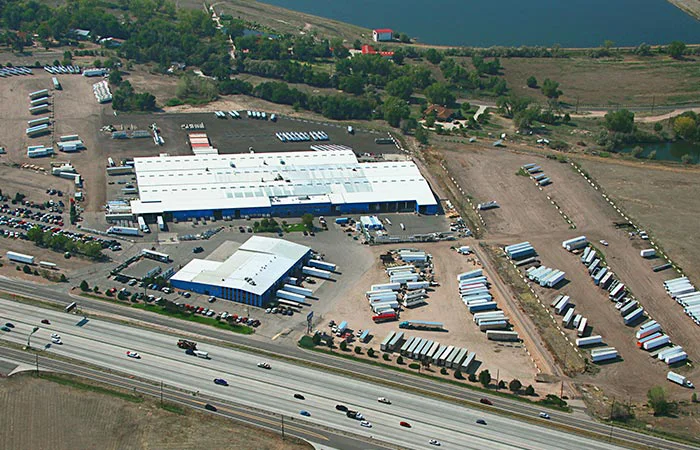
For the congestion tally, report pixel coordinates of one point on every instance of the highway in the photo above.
(251, 388)
(368, 371)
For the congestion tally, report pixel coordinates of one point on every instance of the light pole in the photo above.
(34, 330)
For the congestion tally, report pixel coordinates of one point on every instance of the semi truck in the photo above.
(127, 231)
(385, 317)
(680, 379)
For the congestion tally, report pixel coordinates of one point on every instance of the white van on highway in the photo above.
(201, 354)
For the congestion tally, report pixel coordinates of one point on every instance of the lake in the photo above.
(485, 23)
(670, 151)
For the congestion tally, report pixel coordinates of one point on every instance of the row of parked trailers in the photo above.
(651, 338)
(15, 71)
(684, 293)
(545, 276)
(520, 250)
(474, 290)
(424, 349)
(69, 69)
(405, 288)
(536, 174)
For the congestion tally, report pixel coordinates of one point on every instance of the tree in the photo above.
(27, 269)
(652, 155)
(458, 374)
(515, 385)
(385, 356)
(96, 289)
(316, 338)
(658, 127)
(84, 286)
(443, 371)
(637, 151)
(422, 135)
(352, 84)
(439, 94)
(694, 398)
(511, 105)
(529, 390)
(399, 360)
(358, 349)
(550, 89)
(687, 159)
(398, 56)
(485, 377)
(657, 401)
(566, 119)
(401, 87)
(472, 378)
(676, 49)
(63, 279)
(308, 221)
(115, 77)
(370, 352)
(620, 121)
(643, 49)
(685, 127)
(395, 109)
(532, 82)
(433, 56)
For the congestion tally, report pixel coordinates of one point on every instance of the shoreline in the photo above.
(690, 7)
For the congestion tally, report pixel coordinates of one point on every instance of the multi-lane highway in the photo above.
(104, 344)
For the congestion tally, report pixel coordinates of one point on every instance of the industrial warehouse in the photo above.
(252, 275)
(283, 184)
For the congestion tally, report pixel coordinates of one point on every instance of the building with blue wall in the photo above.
(279, 184)
(252, 275)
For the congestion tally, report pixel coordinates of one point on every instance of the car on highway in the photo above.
(486, 401)
(341, 408)
(366, 424)
(4, 328)
(45, 321)
(299, 396)
(264, 365)
(131, 354)
(304, 412)
(55, 335)
(197, 250)
(481, 421)
(56, 340)
(384, 400)
(210, 407)
(434, 442)
(405, 424)
(189, 351)
(220, 382)
(355, 415)
(544, 415)
(10, 325)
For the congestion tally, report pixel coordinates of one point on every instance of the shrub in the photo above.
(358, 350)
(658, 401)
(343, 345)
(515, 385)
(399, 360)
(370, 352)
(529, 390)
(385, 356)
(443, 371)
(458, 374)
(501, 384)
(84, 286)
(414, 366)
(485, 377)
(96, 289)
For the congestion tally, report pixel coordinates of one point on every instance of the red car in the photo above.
(405, 424)
(486, 401)
(46, 321)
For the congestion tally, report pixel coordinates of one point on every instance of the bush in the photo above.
(458, 374)
(27, 269)
(343, 345)
(358, 349)
(472, 378)
(84, 286)
(370, 352)
(63, 279)
(658, 401)
(399, 360)
(532, 82)
(529, 390)
(515, 385)
(443, 371)
(687, 159)
(386, 357)
(501, 384)
(637, 151)
(414, 366)
(96, 289)
(316, 339)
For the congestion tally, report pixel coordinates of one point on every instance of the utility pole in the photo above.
(282, 427)
(498, 378)
(29, 338)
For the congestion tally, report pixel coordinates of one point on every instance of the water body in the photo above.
(485, 23)
(670, 151)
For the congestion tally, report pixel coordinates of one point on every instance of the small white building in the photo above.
(382, 34)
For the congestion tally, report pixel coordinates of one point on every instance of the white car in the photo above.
(366, 424)
(604, 242)
(55, 336)
(544, 415)
(131, 354)
(56, 340)
(434, 442)
(264, 365)
(384, 400)
(359, 416)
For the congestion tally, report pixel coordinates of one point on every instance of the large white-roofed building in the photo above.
(252, 275)
(279, 184)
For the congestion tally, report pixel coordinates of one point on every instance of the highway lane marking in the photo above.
(119, 381)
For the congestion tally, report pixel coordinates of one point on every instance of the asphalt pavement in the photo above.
(256, 390)
(418, 384)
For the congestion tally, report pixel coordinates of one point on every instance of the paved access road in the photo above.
(375, 372)
(105, 344)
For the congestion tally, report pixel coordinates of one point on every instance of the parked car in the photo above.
(4, 328)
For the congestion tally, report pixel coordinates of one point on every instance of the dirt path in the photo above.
(643, 119)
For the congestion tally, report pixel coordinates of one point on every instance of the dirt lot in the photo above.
(42, 414)
(444, 305)
(534, 220)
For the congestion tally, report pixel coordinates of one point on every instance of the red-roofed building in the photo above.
(369, 50)
(382, 34)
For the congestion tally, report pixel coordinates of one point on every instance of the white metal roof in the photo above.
(249, 180)
(257, 264)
